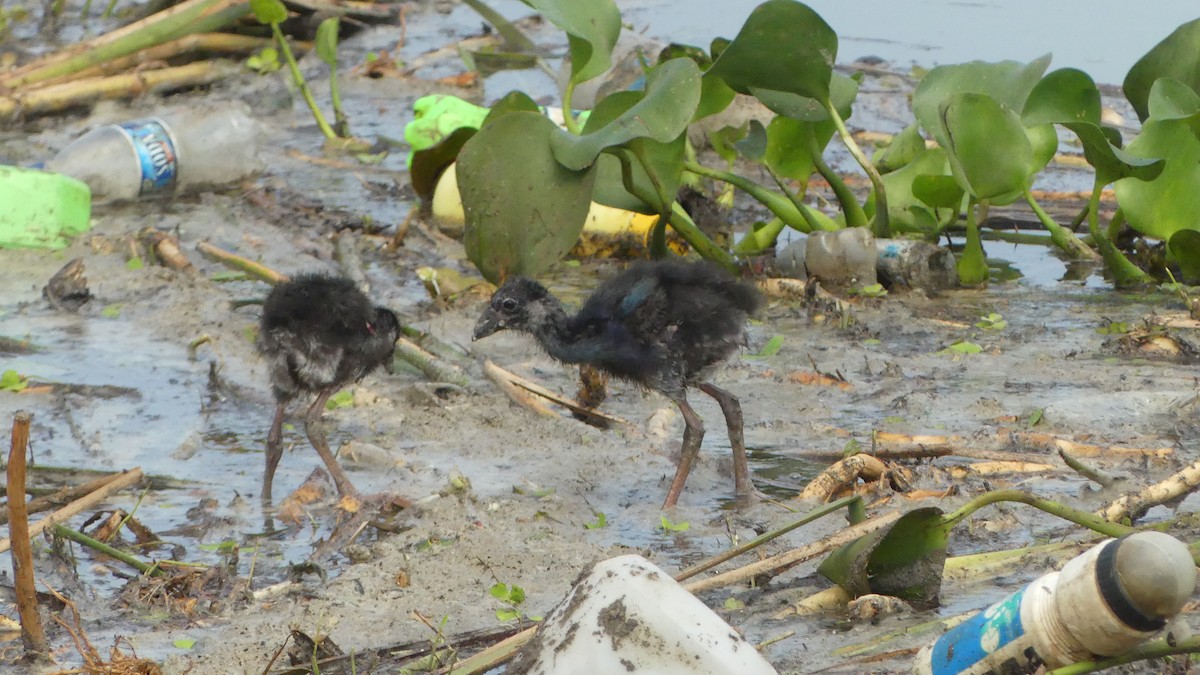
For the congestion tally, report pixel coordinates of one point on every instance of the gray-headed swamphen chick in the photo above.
(663, 325)
(318, 334)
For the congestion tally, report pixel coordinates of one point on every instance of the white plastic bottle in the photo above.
(185, 150)
(1104, 602)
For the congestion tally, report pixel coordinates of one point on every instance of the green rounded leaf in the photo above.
(1172, 99)
(904, 148)
(327, 41)
(513, 101)
(661, 114)
(842, 92)
(938, 192)
(754, 145)
(1175, 57)
(1064, 96)
(592, 28)
(269, 11)
(1184, 248)
(1006, 82)
(783, 46)
(1169, 203)
(989, 151)
(524, 210)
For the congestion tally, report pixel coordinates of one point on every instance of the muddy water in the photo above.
(535, 483)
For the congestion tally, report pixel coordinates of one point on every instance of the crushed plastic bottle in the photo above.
(842, 258)
(1104, 602)
(180, 151)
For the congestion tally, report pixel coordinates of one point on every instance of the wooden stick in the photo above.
(32, 633)
(225, 44)
(437, 370)
(794, 556)
(241, 264)
(128, 478)
(65, 494)
(535, 388)
(1134, 506)
(521, 397)
(190, 16)
(62, 96)
(166, 248)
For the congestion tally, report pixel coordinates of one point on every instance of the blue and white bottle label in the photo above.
(156, 155)
(995, 634)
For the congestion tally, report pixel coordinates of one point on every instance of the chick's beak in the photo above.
(488, 323)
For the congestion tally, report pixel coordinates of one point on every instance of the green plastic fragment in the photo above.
(41, 209)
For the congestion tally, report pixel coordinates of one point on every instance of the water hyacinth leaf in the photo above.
(788, 149)
(842, 92)
(592, 29)
(989, 151)
(938, 192)
(1161, 207)
(268, 11)
(783, 46)
(906, 212)
(725, 139)
(905, 560)
(1175, 57)
(662, 113)
(630, 187)
(523, 209)
(715, 95)
(1007, 82)
(1184, 248)
(327, 41)
(1172, 100)
(904, 148)
(1065, 96)
(754, 145)
(513, 101)
(428, 165)
(1069, 97)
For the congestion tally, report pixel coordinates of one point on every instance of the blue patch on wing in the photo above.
(636, 296)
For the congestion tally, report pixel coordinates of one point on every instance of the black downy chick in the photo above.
(318, 334)
(663, 325)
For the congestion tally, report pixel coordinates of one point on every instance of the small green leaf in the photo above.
(601, 521)
(112, 311)
(327, 41)
(962, 347)
(342, 399)
(499, 591)
(770, 349)
(517, 595)
(1113, 328)
(508, 614)
(227, 545)
(12, 381)
(733, 604)
(991, 321)
(1035, 418)
(184, 643)
(871, 291)
(269, 11)
(669, 526)
(134, 263)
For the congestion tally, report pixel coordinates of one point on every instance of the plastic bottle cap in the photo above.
(1156, 571)
(41, 209)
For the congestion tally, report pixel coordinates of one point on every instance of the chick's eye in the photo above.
(508, 304)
